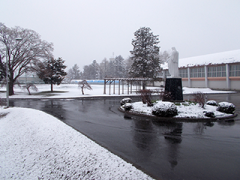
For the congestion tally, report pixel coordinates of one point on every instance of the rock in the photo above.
(212, 103)
(226, 107)
(127, 106)
(125, 100)
(164, 109)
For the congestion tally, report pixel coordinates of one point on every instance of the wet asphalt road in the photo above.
(203, 151)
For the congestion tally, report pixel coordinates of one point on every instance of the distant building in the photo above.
(215, 71)
(30, 78)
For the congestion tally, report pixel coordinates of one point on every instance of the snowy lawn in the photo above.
(72, 91)
(35, 145)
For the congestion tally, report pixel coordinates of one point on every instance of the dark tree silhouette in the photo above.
(51, 71)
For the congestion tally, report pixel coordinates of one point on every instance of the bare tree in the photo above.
(164, 56)
(29, 86)
(84, 85)
(21, 55)
(199, 98)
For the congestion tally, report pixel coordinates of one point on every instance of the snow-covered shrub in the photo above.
(164, 109)
(127, 106)
(226, 107)
(209, 114)
(212, 103)
(125, 100)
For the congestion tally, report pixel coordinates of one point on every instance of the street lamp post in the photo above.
(7, 73)
(7, 77)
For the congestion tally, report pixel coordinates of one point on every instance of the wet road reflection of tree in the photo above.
(172, 133)
(83, 106)
(54, 108)
(144, 134)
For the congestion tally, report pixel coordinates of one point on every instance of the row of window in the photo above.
(217, 71)
(213, 71)
(234, 70)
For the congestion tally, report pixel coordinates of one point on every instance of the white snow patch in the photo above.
(35, 145)
(226, 104)
(72, 91)
(164, 106)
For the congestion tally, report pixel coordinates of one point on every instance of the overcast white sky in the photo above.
(87, 30)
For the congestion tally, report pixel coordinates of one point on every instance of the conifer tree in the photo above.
(51, 71)
(145, 54)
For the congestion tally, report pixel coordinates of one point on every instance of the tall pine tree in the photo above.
(52, 71)
(145, 54)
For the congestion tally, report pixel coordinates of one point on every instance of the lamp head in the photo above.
(18, 39)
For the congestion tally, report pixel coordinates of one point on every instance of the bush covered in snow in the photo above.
(226, 107)
(164, 109)
(125, 100)
(127, 106)
(209, 114)
(212, 103)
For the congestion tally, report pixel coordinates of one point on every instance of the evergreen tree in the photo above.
(76, 72)
(103, 68)
(128, 64)
(145, 54)
(91, 71)
(110, 69)
(51, 71)
(73, 73)
(119, 67)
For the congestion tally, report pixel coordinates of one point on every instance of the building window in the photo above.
(183, 73)
(197, 72)
(217, 71)
(234, 70)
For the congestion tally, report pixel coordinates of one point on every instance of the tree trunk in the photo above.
(10, 86)
(82, 91)
(51, 87)
(144, 85)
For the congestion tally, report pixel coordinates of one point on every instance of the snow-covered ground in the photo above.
(35, 145)
(72, 91)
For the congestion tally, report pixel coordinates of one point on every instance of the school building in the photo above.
(215, 71)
